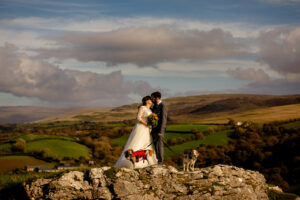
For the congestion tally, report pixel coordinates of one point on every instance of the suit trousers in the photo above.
(159, 148)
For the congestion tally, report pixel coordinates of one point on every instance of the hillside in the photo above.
(196, 123)
(211, 109)
(23, 114)
(201, 109)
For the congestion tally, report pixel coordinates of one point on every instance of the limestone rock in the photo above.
(154, 182)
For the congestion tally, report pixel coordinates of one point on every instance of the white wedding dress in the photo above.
(139, 139)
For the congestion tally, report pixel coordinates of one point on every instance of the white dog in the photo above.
(189, 160)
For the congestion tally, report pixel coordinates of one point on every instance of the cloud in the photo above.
(281, 2)
(47, 3)
(109, 23)
(280, 49)
(22, 75)
(145, 46)
(272, 87)
(250, 74)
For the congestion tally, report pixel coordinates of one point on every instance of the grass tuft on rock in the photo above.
(275, 195)
(111, 173)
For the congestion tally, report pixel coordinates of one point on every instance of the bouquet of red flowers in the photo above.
(153, 120)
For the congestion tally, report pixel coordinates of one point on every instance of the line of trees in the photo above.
(271, 149)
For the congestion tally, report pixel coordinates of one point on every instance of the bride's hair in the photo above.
(146, 98)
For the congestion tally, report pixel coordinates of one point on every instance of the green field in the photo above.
(173, 131)
(32, 137)
(219, 138)
(295, 124)
(189, 127)
(7, 180)
(4, 147)
(8, 163)
(35, 138)
(184, 131)
(122, 140)
(169, 135)
(59, 148)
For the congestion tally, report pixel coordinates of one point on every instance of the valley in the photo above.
(87, 138)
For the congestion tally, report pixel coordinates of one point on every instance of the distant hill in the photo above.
(23, 114)
(216, 108)
(246, 103)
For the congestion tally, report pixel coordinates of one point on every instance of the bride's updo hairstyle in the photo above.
(146, 98)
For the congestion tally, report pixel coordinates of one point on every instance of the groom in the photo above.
(158, 132)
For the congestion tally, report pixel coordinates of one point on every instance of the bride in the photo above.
(140, 138)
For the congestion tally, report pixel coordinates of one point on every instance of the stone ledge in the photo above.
(153, 182)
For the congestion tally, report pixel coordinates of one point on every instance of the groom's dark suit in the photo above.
(162, 113)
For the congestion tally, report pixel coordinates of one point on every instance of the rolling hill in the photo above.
(24, 114)
(215, 108)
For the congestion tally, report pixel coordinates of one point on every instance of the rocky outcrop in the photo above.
(154, 182)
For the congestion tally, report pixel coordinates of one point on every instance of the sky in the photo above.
(90, 53)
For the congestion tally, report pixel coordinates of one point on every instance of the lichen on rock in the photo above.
(153, 182)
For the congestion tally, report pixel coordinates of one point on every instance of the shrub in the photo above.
(199, 135)
(30, 137)
(275, 195)
(230, 122)
(211, 130)
(172, 141)
(88, 141)
(180, 140)
(20, 145)
(194, 130)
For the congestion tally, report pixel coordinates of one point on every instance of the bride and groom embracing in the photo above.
(143, 137)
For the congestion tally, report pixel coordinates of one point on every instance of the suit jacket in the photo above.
(162, 114)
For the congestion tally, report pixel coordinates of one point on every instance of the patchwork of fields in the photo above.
(295, 124)
(219, 138)
(8, 163)
(55, 147)
(185, 131)
(173, 131)
(59, 148)
(101, 133)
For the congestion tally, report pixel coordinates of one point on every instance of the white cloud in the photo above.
(128, 41)
(281, 2)
(280, 49)
(250, 74)
(22, 75)
(23, 39)
(182, 68)
(145, 46)
(104, 24)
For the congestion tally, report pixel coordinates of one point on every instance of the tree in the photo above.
(20, 145)
(199, 135)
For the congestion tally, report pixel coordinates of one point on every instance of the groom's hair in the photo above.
(156, 94)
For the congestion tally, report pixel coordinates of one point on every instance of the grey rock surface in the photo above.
(154, 182)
